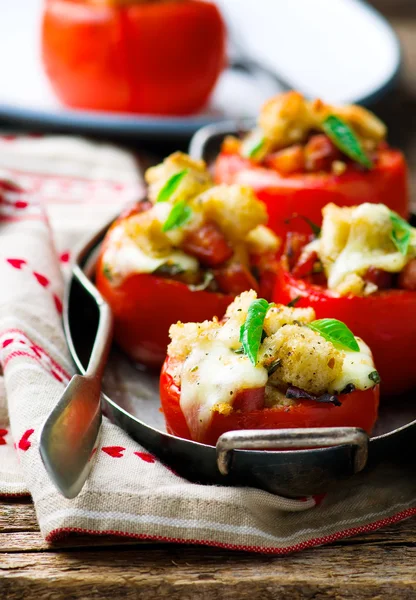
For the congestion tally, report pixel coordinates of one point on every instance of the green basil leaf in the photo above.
(401, 233)
(178, 216)
(345, 140)
(171, 186)
(208, 278)
(255, 149)
(335, 332)
(251, 331)
(316, 230)
(107, 272)
(252, 145)
(374, 376)
(169, 269)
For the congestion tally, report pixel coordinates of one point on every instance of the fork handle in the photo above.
(103, 338)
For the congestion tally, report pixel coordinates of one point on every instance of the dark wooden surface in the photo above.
(377, 565)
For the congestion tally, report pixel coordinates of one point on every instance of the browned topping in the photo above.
(338, 167)
(287, 161)
(320, 152)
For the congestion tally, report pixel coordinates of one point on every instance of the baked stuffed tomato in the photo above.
(144, 56)
(266, 366)
(361, 270)
(304, 155)
(183, 255)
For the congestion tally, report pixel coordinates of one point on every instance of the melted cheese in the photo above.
(211, 370)
(354, 239)
(213, 374)
(356, 369)
(124, 257)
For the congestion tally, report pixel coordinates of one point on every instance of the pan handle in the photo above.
(295, 439)
(206, 142)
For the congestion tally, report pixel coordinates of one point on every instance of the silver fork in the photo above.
(71, 431)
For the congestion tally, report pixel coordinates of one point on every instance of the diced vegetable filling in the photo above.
(278, 353)
(361, 250)
(211, 237)
(295, 135)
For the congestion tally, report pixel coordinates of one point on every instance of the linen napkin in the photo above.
(53, 190)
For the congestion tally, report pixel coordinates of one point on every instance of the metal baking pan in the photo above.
(130, 398)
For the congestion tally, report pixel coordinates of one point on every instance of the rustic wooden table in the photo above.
(376, 565)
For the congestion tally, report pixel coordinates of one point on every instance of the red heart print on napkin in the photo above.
(24, 443)
(17, 263)
(114, 451)
(145, 456)
(65, 256)
(21, 204)
(44, 281)
(58, 304)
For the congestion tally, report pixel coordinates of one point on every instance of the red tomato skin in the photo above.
(385, 321)
(145, 306)
(235, 278)
(249, 400)
(307, 193)
(359, 409)
(153, 58)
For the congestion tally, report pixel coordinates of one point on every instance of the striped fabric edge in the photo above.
(57, 534)
(10, 489)
(14, 495)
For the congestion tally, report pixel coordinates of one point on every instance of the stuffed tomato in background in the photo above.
(143, 56)
(305, 154)
(361, 270)
(266, 366)
(182, 255)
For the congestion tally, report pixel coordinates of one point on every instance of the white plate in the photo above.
(341, 50)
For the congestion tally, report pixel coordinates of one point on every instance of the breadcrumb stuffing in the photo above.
(274, 397)
(353, 284)
(234, 207)
(211, 366)
(280, 315)
(338, 167)
(194, 182)
(261, 239)
(288, 118)
(237, 310)
(352, 240)
(222, 408)
(307, 360)
(185, 335)
(285, 119)
(144, 228)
